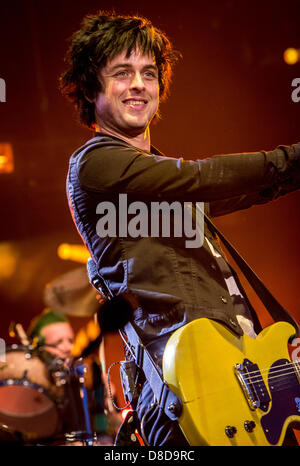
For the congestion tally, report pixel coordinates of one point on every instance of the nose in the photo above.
(66, 347)
(137, 82)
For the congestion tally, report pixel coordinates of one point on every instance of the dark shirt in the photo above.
(173, 284)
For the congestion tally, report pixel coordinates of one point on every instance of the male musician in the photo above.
(54, 331)
(119, 71)
(56, 335)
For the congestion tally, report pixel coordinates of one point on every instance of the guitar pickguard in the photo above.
(285, 392)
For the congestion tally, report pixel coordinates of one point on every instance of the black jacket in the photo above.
(173, 284)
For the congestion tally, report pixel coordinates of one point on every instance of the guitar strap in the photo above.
(274, 308)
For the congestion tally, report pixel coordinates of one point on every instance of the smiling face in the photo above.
(130, 94)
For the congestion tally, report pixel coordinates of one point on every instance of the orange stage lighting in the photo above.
(84, 336)
(81, 342)
(291, 56)
(8, 260)
(92, 330)
(73, 252)
(6, 158)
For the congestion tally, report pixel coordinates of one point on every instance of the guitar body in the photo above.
(235, 390)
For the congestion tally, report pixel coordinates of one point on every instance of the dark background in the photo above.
(231, 93)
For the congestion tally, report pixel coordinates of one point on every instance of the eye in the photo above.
(122, 74)
(151, 74)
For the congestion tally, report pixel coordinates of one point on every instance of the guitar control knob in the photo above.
(230, 431)
(249, 426)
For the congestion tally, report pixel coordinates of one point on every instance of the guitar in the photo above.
(235, 390)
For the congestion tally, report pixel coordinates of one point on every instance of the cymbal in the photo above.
(72, 294)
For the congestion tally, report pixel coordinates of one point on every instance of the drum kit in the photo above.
(43, 398)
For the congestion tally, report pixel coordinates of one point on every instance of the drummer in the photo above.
(53, 330)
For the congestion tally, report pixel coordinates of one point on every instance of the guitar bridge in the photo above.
(252, 384)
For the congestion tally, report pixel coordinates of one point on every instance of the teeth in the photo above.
(135, 102)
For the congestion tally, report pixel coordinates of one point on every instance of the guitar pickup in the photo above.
(253, 385)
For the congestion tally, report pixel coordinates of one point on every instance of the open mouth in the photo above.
(135, 103)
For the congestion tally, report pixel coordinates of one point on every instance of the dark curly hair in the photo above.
(101, 38)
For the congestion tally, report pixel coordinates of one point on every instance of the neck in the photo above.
(140, 140)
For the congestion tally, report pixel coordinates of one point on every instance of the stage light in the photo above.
(92, 330)
(81, 342)
(291, 56)
(73, 252)
(6, 158)
(8, 261)
(84, 336)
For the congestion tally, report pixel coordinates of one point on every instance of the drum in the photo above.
(29, 396)
(9, 436)
(83, 439)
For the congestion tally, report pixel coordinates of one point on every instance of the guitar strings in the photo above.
(287, 371)
(271, 370)
(273, 374)
(275, 369)
(283, 377)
